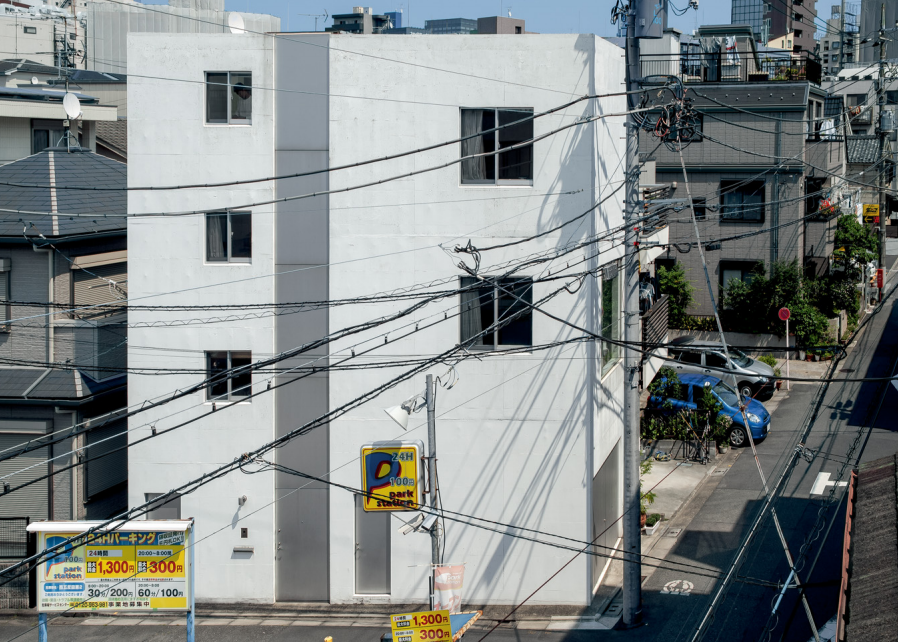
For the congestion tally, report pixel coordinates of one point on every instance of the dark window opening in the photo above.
(483, 303)
(229, 375)
(512, 167)
(742, 201)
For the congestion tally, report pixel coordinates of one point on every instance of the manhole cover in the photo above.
(673, 532)
(719, 472)
(847, 370)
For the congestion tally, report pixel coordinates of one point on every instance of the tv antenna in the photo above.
(324, 15)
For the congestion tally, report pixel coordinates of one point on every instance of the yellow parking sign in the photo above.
(391, 476)
(426, 625)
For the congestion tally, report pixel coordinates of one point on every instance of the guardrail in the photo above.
(727, 67)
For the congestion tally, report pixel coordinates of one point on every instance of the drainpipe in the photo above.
(52, 284)
(76, 472)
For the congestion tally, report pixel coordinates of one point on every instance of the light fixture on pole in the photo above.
(403, 411)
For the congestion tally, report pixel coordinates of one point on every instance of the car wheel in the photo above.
(746, 391)
(737, 436)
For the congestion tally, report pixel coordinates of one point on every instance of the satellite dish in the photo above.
(235, 23)
(35, 81)
(72, 106)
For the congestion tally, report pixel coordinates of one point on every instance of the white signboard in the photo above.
(139, 566)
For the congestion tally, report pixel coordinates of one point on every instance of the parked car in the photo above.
(752, 378)
(692, 388)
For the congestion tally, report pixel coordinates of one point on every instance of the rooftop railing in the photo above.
(730, 67)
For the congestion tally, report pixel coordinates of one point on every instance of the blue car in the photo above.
(691, 389)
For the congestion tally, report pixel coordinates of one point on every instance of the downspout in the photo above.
(51, 279)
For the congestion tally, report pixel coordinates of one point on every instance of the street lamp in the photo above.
(400, 415)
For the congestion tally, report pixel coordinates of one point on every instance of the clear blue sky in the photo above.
(556, 16)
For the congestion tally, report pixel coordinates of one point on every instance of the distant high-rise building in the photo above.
(771, 19)
(362, 20)
(837, 49)
(450, 25)
(395, 17)
(871, 14)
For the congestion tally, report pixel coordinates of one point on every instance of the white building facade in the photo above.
(531, 433)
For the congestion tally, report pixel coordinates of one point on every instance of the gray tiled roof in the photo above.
(52, 384)
(69, 168)
(832, 108)
(863, 149)
(115, 133)
(873, 584)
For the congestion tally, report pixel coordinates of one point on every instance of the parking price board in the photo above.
(391, 476)
(417, 627)
(141, 566)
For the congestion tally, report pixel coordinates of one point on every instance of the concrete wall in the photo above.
(510, 416)
(15, 139)
(520, 436)
(169, 143)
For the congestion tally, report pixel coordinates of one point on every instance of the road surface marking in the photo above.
(822, 483)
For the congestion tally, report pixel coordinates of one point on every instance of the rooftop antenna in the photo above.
(72, 107)
(235, 23)
(324, 15)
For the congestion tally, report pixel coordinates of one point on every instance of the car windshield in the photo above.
(739, 358)
(727, 395)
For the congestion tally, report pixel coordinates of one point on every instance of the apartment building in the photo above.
(529, 435)
(777, 18)
(839, 44)
(771, 142)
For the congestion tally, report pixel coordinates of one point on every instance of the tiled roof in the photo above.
(114, 133)
(52, 384)
(833, 107)
(873, 588)
(69, 168)
(29, 67)
(862, 149)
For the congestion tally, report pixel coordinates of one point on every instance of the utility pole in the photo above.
(432, 475)
(632, 611)
(880, 130)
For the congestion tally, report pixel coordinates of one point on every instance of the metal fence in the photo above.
(727, 66)
(13, 537)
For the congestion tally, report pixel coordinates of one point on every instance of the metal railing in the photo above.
(727, 67)
(654, 323)
(13, 537)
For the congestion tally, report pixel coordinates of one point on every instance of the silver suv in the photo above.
(752, 378)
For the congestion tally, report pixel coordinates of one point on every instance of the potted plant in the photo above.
(652, 522)
(645, 499)
(722, 432)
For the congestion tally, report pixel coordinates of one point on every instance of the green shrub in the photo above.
(770, 361)
(651, 520)
(673, 282)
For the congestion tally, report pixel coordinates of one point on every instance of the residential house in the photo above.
(757, 168)
(525, 424)
(63, 283)
(32, 114)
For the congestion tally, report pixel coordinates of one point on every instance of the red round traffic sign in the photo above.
(784, 314)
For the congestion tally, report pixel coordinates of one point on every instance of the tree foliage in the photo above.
(674, 283)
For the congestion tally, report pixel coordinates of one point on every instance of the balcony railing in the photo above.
(654, 323)
(730, 67)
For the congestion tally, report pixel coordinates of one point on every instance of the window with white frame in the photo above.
(482, 303)
(611, 316)
(229, 375)
(513, 167)
(229, 237)
(229, 97)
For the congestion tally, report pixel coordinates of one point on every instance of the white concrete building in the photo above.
(529, 437)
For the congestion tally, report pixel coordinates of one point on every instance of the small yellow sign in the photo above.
(871, 212)
(426, 625)
(390, 475)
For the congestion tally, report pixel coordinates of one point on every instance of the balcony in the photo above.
(733, 67)
(653, 323)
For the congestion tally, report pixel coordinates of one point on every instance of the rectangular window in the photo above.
(610, 317)
(168, 508)
(742, 201)
(229, 97)
(229, 374)
(737, 270)
(813, 189)
(484, 303)
(229, 237)
(30, 29)
(700, 205)
(513, 167)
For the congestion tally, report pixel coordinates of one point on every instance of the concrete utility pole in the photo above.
(880, 130)
(632, 612)
(432, 474)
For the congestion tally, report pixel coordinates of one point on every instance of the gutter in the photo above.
(62, 403)
(65, 239)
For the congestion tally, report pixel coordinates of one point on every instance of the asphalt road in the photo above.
(81, 633)
(842, 425)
